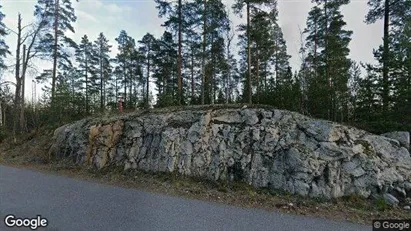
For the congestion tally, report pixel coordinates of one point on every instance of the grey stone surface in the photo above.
(390, 199)
(400, 136)
(264, 148)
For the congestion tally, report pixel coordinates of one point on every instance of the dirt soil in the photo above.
(31, 151)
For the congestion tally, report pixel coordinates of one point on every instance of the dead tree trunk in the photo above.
(23, 77)
(17, 99)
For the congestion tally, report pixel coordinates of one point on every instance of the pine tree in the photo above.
(327, 63)
(146, 50)
(87, 59)
(134, 76)
(102, 49)
(268, 53)
(164, 68)
(75, 87)
(354, 88)
(179, 60)
(191, 57)
(238, 7)
(64, 98)
(262, 50)
(230, 80)
(381, 8)
(124, 59)
(388, 11)
(217, 27)
(202, 26)
(339, 66)
(4, 49)
(255, 15)
(204, 45)
(282, 70)
(191, 49)
(367, 106)
(175, 22)
(59, 16)
(400, 73)
(391, 56)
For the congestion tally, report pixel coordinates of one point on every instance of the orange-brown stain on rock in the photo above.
(102, 142)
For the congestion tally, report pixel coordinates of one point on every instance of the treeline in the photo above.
(193, 63)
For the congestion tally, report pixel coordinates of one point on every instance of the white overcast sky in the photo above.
(138, 17)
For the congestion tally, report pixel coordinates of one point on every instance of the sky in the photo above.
(138, 17)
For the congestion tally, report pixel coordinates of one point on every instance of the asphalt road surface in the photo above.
(70, 204)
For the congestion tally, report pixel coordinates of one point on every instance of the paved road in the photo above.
(71, 204)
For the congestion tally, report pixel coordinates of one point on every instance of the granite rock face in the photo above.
(402, 137)
(262, 147)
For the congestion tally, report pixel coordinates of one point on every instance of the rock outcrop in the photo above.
(402, 137)
(263, 147)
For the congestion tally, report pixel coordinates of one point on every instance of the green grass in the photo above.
(381, 205)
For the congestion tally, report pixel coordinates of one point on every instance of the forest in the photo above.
(194, 63)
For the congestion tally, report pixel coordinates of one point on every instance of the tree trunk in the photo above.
(250, 101)
(229, 90)
(212, 70)
(257, 75)
(101, 81)
(228, 93)
(148, 77)
(1, 114)
(385, 84)
(173, 90)
(17, 99)
(179, 77)
(116, 96)
(130, 92)
(86, 76)
(278, 94)
(166, 78)
(125, 101)
(164, 88)
(204, 52)
(53, 80)
(105, 98)
(4, 110)
(23, 79)
(326, 62)
(192, 76)
(265, 81)
(315, 48)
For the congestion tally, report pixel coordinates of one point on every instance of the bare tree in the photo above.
(22, 65)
